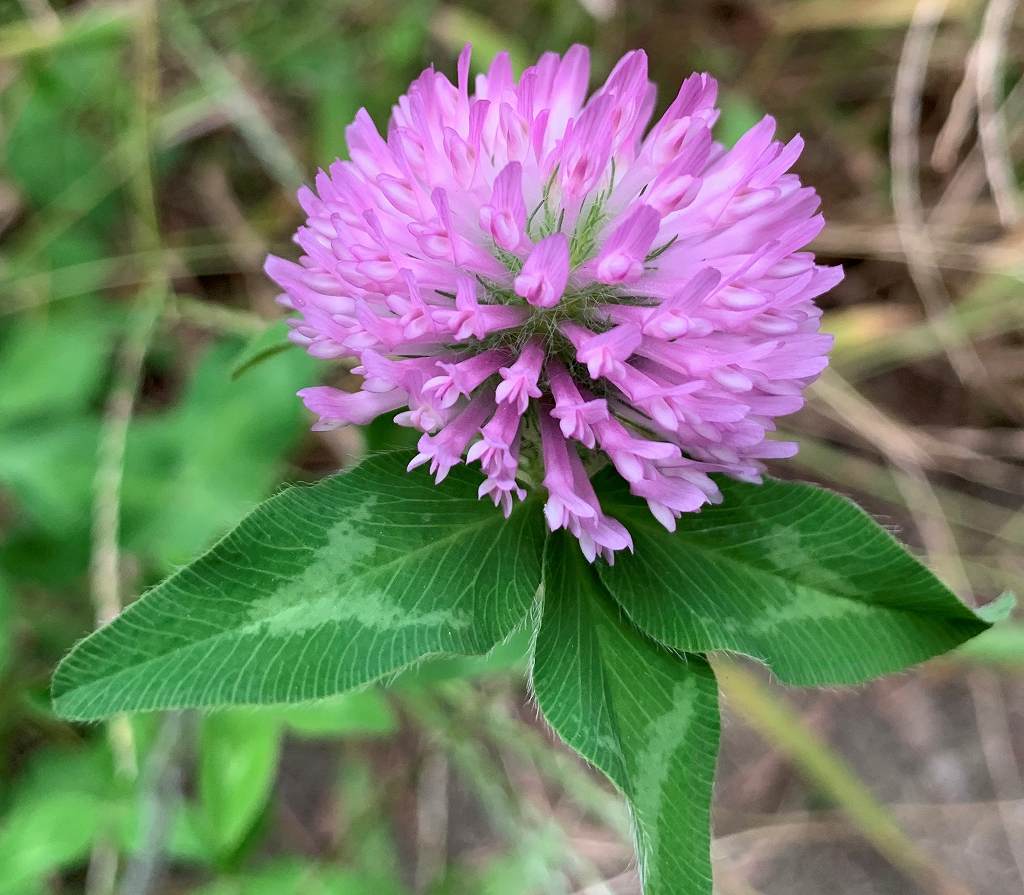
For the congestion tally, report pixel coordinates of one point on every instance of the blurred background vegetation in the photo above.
(150, 158)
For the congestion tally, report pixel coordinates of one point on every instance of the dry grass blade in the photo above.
(906, 197)
(995, 31)
(960, 118)
(991, 309)
(46, 32)
(819, 15)
(906, 450)
(105, 566)
(970, 178)
(952, 248)
(881, 482)
(946, 827)
(784, 729)
(231, 95)
(993, 718)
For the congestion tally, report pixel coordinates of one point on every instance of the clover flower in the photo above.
(535, 280)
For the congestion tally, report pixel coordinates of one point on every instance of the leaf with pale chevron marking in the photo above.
(643, 714)
(319, 590)
(790, 574)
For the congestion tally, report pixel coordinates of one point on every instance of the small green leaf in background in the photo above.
(81, 336)
(738, 116)
(58, 92)
(511, 655)
(193, 470)
(335, 108)
(54, 815)
(456, 27)
(42, 835)
(646, 716)
(528, 868)
(1002, 644)
(319, 590)
(364, 713)
(46, 468)
(6, 625)
(375, 852)
(273, 340)
(383, 434)
(293, 877)
(238, 754)
(787, 573)
(47, 433)
(69, 181)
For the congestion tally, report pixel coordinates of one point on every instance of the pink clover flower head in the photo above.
(542, 282)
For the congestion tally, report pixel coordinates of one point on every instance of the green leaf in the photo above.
(238, 754)
(319, 590)
(645, 715)
(790, 574)
(272, 340)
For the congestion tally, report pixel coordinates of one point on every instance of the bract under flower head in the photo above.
(518, 264)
